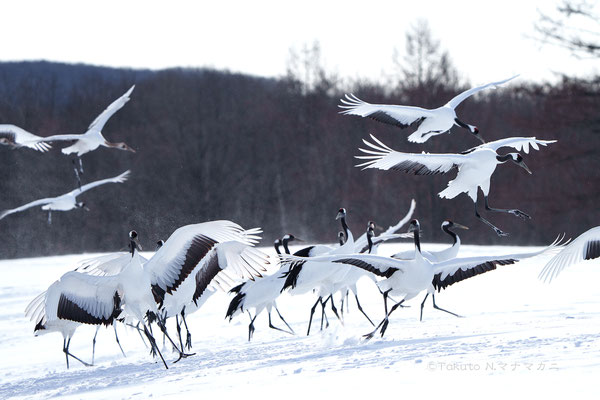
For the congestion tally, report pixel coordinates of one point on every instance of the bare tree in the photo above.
(424, 66)
(306, 68)
(575, 25)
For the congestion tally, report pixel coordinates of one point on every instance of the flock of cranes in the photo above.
(199, 259)
(16, 137)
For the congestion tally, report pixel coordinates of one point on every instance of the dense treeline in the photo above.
(276, 153)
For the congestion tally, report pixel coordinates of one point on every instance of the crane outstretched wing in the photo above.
(215, 244)
(107, 264)
(401, 116)
(377, 240)
(36, 309)
(117, 179)
(404, 220)
(585, 247)
(84, 298)
(54, 138)
(361, 242)
(20, 137)
(383, 157)
(458, 269)
(467, 93)
(518, 143)
(115, 106)
(39, 202)
(378, 265)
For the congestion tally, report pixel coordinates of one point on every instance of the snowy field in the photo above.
(518, 336)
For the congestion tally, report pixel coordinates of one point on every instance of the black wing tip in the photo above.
(39, 327)
(592, 250)
(159, 294)
(71, 311)
(205, 276)
(412, 167)
(291, 279)
(383, 117)
(305, 252)
(200, 246)
(234, 305)
(366, 266)
(461, 275)
(237, 288)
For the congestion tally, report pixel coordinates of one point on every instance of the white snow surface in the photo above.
(518, 336)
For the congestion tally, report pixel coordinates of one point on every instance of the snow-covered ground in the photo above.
(518, 336)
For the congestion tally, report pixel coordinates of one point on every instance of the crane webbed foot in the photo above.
(183, 355)
(250, 331)
(501, 233)
(384, 326)
(519, 214)
(369, 336)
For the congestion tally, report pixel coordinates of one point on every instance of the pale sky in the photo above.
(486, 40)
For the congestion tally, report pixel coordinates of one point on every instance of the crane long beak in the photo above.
(455, 225)
(522, 164)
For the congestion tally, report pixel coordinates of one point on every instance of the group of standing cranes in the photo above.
(200, 258)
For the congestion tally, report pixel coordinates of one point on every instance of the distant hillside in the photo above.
(270, 153)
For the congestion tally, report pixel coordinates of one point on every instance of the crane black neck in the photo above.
(285, 246)
(449, 232)
(504, 158)
(276, 245)
(370, 242)
(132, 247)
(461, 124)
(345, 226)
(417, 240)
